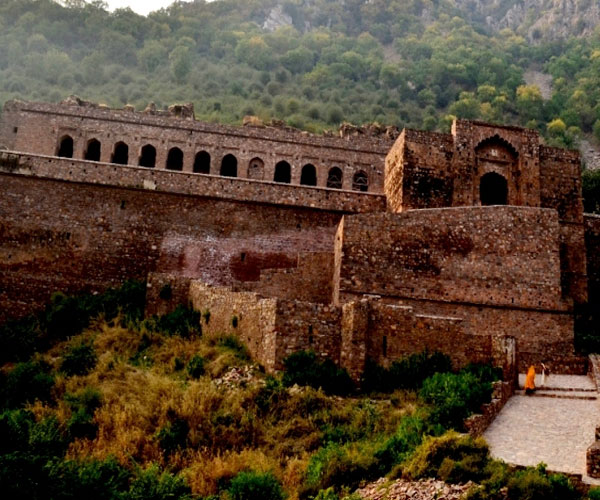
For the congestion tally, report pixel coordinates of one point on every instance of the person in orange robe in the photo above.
(530, 380)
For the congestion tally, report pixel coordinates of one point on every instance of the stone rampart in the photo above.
(256, 151)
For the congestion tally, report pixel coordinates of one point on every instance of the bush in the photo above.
(19, 339)
(80, 359)
(174, 435)
(235, 345)
(25, 383)
(83, 406)
(340, 466)
(452, 457)
(303, 368)
(151, 484)
(454, 397)
(195, 367)
(535, 484)
(401, 445)
(183, 322)
(406, 373)
(255, 486)
(594, 494)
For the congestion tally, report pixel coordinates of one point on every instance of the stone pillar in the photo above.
(353, 352)
(593, 457)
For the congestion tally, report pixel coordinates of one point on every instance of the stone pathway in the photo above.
(555, 426)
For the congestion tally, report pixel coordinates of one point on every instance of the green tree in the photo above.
(181, 63)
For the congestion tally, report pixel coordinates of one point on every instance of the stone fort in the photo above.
(359, 246)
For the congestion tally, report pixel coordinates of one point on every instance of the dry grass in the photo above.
(142, 392)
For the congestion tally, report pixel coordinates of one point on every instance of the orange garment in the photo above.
(530, 379)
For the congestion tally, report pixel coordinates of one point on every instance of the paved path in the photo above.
(554, 430)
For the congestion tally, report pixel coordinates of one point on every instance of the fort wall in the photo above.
(39, 128)
(81, 226)
(592, 243)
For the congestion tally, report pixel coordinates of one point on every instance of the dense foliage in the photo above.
(410, 63)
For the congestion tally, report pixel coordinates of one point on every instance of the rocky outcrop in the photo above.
(425, 489)
(277, 18)
(537, 20)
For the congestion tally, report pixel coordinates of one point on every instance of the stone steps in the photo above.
(561, 394)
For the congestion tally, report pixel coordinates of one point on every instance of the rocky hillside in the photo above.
(537, 20)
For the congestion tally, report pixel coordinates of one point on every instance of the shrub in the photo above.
(303, 368)
(19, 339)
(534, 484)
(406, 373)
(235, 345)
(25, 383)
(269, 394)
(340, 466)
(174, 435)
(452, 457)
(183, 322)
(83, 406)
(195, 367)
(151, 484)
(408, 436)
(594, 494)
(255, 486)
(454, 397)
(80, 359)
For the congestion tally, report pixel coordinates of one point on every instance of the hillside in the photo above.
(312, 63)
(98, 403)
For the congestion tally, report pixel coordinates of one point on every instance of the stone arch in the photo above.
(493, 189)
(120, 154)
(148, 156)
(496, 142)
(283, 172)
(65, 147)
(256, 169)
(334, 178)
(93, 150)
(229, 166)
(308, 176)
(202, 163)
(175, 159)
(360, 181)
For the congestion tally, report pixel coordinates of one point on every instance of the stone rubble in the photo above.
(424, 489)
(236, 377)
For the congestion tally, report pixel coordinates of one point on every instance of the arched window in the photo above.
(148, 156)
(92, 153)
(65, 148)
(121, 154)
(202, 163)
(283, 172)
(493, 189)
(175, 159)
(308, 177)
(360, 181)
(334, 178)
(229, 166)
(256, 169)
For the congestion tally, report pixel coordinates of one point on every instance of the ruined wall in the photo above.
(246, 314)
(82, 236)
(470, 163)
(497, 268)
(592, 244)
(39, 128)
(560, 182)
(483, 255)
(418, 173)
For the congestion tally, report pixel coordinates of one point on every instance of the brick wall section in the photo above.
(185, 183)
(418, 173)
(506, 256)
(592, 245)
(76, 237)
(256, 318)
(39, 128)
(310, 280)
(477, 424)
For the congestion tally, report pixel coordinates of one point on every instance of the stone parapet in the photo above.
(81, 171)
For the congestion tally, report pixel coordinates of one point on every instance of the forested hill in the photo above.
(315, 63)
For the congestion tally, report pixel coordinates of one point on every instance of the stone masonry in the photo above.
(355, 246)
